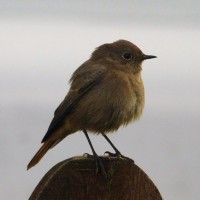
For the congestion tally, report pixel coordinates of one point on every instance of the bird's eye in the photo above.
(127, 56)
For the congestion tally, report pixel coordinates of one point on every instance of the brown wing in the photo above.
(81, 84)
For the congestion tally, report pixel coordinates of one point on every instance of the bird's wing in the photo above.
(78, 90)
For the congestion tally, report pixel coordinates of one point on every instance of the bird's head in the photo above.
(121, 53)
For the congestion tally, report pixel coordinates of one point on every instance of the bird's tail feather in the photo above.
(41, 152)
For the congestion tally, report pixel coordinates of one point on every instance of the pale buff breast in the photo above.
(133, 99)
(138, 87)
(122, 100)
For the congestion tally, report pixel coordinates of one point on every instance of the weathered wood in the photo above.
(76, 179)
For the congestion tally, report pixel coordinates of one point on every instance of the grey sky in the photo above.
(43, 42)
(184, 13)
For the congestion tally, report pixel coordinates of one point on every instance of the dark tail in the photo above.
(41, 152)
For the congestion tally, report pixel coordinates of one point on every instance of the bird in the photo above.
(106, 92)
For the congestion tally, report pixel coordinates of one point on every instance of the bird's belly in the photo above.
(122, 112)
(109, 115)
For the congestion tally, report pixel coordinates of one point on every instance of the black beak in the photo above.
(145, 57)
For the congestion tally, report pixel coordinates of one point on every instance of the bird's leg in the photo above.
(99, 164)
(117, 152)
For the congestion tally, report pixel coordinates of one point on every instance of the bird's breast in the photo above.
(129, 99)
(119, 100)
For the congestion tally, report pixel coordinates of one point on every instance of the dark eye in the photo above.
(127, 56)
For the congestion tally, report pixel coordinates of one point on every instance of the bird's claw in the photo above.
(117, 155)
(88, 155)
(99, 164)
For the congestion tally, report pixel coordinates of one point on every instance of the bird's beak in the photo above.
(145, 57)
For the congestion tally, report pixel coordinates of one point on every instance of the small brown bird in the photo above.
(106, 92)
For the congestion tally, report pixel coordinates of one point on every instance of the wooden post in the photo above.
(76, 179)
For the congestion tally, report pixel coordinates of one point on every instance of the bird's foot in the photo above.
(117, 154)
(88, 155)
(99, 164)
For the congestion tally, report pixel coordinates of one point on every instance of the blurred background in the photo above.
(43, 42)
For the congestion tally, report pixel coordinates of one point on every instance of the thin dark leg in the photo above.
(98, 160)
(112, 145)
(117, 152)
